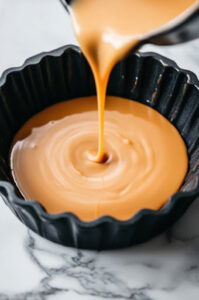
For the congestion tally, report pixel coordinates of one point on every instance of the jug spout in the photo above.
(183, 29)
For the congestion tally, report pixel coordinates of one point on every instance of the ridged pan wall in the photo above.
(64, 74)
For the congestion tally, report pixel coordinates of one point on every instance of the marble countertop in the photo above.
(32, 268)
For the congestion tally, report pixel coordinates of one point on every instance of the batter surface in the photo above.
(147, 159)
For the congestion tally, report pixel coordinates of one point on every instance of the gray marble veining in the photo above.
(32, 268)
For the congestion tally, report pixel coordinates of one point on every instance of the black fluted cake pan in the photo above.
(63, 74)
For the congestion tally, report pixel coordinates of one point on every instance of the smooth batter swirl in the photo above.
(51, 165)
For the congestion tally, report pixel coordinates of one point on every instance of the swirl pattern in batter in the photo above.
(146, 162)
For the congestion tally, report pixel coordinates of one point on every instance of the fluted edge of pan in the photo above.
(166, 80)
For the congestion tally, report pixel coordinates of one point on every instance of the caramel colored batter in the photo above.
(67, 162)
(108, 29)
(147, 159)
